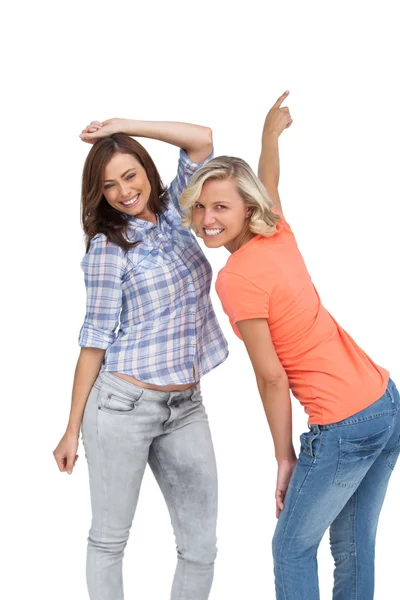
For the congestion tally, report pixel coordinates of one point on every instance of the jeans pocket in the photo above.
(196, 396)
(116, 402)
(356, 457)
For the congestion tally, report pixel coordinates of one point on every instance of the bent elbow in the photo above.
(273, 381)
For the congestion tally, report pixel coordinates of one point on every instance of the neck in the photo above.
(240, 241)
(147, 215)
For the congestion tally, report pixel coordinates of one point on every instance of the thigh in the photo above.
(312, 500)
(354, 529)
(183, 463)
(358, 520)
(116, 459)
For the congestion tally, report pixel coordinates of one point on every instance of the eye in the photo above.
(198, 205)
(108, 186)
(131, 175)
(220, 206)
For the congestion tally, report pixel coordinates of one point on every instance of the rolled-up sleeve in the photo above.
(104, 267)
(186, 169)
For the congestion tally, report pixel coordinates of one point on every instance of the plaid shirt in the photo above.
(150, 308)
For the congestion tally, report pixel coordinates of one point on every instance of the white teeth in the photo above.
(129, 202)
(213, 231)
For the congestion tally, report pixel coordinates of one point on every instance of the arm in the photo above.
(104, 267)
(196, 140)
(87, 369)
(273, 386)
(278, 119)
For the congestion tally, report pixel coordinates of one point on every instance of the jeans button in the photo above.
(307, 440)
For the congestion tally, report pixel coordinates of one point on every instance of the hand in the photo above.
(285, 472)
(65, 453)
(96, 130)
(278, 117)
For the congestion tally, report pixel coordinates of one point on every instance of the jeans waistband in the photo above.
(388, 402)
(127, 387)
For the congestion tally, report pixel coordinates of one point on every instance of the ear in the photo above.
(249, 212)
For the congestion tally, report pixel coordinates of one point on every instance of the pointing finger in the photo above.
(281, 99)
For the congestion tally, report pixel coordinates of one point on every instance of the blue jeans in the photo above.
(339, 482)
(124, 428)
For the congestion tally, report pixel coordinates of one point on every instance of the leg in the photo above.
(117, 454)
(353, 532)
(183, 463)
(333, 462)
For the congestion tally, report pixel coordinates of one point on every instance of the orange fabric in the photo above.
(328, 373)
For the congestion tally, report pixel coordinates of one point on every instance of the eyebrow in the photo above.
(216, 202)
(123, 174)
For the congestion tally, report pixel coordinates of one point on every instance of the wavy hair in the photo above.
(97, 214)
(254, 195)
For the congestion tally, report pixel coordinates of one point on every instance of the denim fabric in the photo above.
(125, 427)
(340, 483)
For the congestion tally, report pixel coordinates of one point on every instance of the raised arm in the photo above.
(196, 140)
(277, 119)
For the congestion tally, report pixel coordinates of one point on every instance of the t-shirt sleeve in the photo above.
(186, 169)
(241, 299)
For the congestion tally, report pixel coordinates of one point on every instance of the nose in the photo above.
(125, 190)
(209, 218)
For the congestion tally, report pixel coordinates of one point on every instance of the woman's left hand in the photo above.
(278, 118)
(285, 472)
(96, 130)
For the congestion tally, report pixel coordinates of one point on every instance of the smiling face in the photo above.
(126, 186)
(220, 216)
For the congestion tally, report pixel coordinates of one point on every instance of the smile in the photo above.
(212, 232)
(131, 201)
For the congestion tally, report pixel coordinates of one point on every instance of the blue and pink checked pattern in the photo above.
(150, 308)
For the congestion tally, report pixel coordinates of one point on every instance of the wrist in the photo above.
(72, 430)
(287, 459)
(128, 126)
(270, 134)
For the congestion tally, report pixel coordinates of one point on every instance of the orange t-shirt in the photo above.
(328, 373)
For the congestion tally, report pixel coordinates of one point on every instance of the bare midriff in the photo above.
(157, 388)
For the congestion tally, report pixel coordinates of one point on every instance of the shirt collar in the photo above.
(134, 223)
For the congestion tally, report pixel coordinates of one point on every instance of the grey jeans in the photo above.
(125, 427)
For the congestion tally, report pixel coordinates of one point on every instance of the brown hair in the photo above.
(97, 214)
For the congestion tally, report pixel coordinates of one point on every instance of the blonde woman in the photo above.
(347, 455)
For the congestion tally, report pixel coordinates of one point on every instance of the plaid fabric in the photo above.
(150, 308)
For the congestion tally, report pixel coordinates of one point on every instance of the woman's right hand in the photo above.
(65, 453)
(96, 130)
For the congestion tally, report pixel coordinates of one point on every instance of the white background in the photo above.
(220, 64)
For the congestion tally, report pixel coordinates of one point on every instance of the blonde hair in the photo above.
(262, 221)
